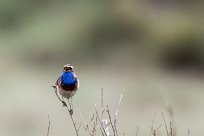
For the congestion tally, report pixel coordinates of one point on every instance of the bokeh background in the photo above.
(151, 51)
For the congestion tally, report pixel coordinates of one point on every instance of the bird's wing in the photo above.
(77, 84)
(58, 82)
(77, 81)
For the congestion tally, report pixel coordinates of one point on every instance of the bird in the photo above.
(67, 84)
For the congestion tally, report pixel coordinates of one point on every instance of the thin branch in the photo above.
(92, 117)
(189, 132)
(137, 131)
(101, 98)
(152, 126)
(63, 102)
(102, 107)
(165, 124)
(108, 111)
(119, 102)
(116, 114)
(155, 130)
(171, 129)
(79, 127)
(70, 110)
(158, 127)
(86, 124)
(94, 124)
(73, 122)
(48, 128)
(101, 123)
(172, 125)
(102, 132)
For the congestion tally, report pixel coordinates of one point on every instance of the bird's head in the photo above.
(68, 68)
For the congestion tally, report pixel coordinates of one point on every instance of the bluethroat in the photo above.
(67, 84)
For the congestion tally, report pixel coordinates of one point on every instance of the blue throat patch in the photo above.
(68, 78)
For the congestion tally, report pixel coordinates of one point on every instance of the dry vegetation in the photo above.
(103, 121)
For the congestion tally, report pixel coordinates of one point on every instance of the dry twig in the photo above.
(137, 131)
(70, 110)
(116, 114)
(103, 131)
(189, 132)
(167, 132)
(48, 128)
(154, 131)
(113, 128)
(171, 129)
(73, 122)
(62, 101)
(86, 128)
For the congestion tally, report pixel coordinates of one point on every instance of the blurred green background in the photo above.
(151, 51)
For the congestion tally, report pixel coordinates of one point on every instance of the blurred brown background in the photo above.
(151, 51)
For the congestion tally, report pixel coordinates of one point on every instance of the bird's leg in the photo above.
(71, 103)
(62, 101)
(70, 106)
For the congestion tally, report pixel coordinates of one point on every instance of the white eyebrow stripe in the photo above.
(69, 66)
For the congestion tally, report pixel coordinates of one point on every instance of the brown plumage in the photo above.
(64, 87)
(71, 83)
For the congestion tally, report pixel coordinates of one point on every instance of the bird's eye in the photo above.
(67, 68)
